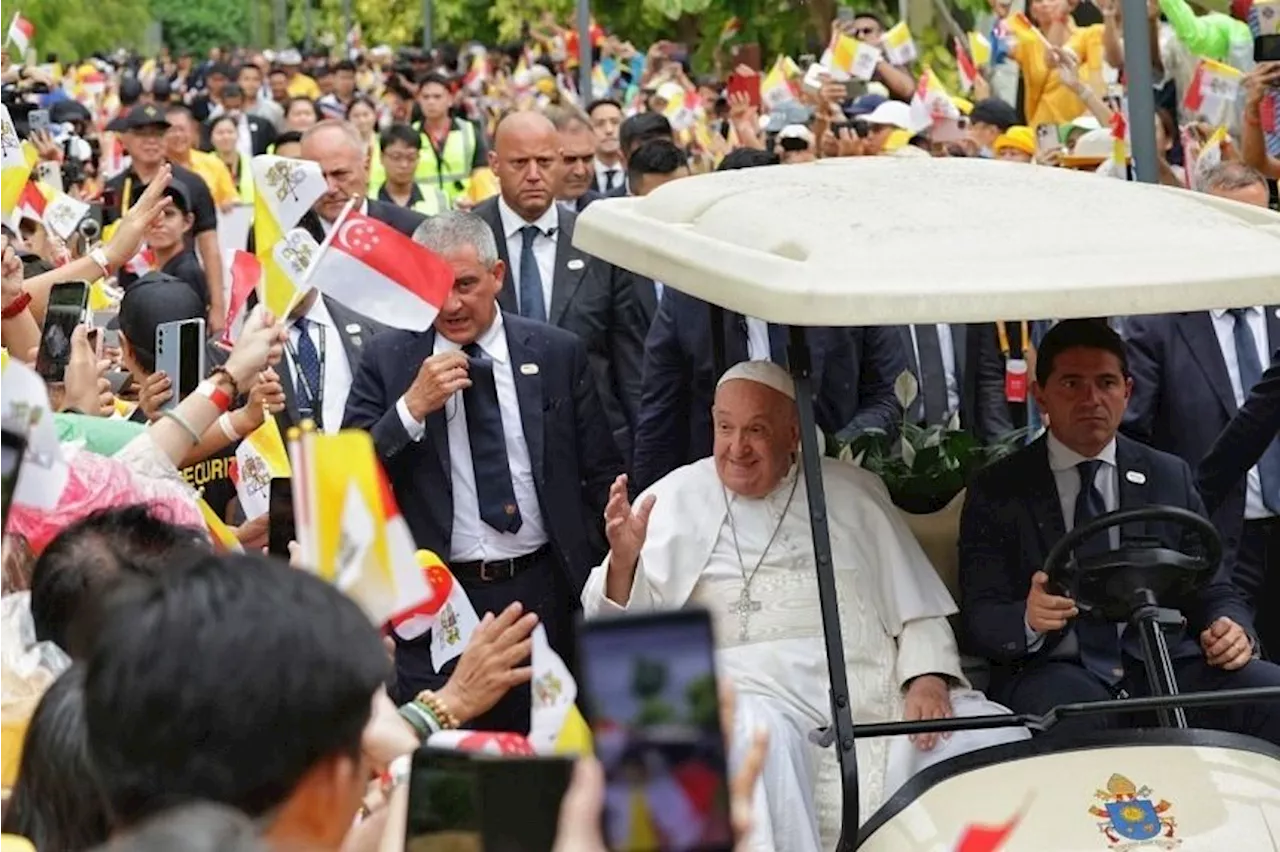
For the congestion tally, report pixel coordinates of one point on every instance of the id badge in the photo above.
(1015, 380)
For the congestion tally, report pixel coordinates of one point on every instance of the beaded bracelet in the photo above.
(433, 703)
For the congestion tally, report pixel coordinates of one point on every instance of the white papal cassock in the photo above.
(893, 614)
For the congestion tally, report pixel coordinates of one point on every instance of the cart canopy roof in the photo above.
(887, 240)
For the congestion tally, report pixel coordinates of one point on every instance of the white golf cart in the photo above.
(886, 241)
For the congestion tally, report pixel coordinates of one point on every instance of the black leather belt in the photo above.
(495, 572)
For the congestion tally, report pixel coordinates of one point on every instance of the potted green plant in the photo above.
(925, 470)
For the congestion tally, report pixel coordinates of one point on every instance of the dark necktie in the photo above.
(1099, 643)
(778, 345)
(494, 491)
(311, 394)
(1250, 366)
(610, 175)
(532, 303)
(932, 374)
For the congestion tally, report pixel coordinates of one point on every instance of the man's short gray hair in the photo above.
(567, 118)
(1230, 176)
(454, 229)
(346, 128)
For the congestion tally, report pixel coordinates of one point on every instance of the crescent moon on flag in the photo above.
(341, 238)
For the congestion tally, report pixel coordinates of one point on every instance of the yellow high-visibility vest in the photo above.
(452, 172)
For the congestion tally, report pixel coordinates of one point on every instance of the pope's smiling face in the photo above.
(756, 437)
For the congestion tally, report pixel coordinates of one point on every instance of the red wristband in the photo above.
(17, 306)
(220, 398)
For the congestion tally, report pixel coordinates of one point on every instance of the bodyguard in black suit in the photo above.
(937, 355)
(1241, 445)
(492, 434)
(1188, 383)
(853, 368)
(554, 281)
(1017, 509)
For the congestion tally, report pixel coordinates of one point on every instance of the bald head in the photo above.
(757, 434)
(526, 160)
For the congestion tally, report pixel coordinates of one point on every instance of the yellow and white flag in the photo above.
(295, 254)
(349, 527)
(284, 190)
(63, 213)
(224, 540)
(554, 693)
(775, 88)
(898, 45)
(260, 458)
(14, 168)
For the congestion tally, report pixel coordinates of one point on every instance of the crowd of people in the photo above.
(559, 436)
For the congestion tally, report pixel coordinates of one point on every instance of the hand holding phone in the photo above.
(67, 304)
(180, 354)
(38, 121)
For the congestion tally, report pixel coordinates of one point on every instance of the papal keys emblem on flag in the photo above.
(1131, 819)
(285, 178)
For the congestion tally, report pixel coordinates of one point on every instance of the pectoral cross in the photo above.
(743, 609)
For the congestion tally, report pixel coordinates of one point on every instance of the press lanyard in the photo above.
(313, 394)
(1004, 338)
(126, 200)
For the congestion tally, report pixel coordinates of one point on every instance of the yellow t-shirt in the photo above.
(302, 86)
(216, 176)
(1048, 100)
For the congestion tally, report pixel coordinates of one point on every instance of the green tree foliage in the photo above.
(198, 26)
(704, 703)
(74, 29)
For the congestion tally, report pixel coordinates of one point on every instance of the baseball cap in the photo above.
(864, 105)
(290, 56)
(153, 300)
(178, 192)
(146, 115)
(995, 112)
(890, 114)
(1019, 137)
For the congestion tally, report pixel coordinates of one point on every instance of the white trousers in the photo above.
(786, 796)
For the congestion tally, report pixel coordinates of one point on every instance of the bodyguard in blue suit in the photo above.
(853, 374)
(1017, 509)
(497, 448)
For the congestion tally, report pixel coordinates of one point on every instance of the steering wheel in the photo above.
(1109, 585)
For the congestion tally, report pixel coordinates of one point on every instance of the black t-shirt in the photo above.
(124, 190)
(184, 266)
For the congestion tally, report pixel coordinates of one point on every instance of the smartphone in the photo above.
(13, 447)
(1266, 48)
(180, 352)
(748, 84)
(477, 801)
(38, 121)
(280, 526)
(49, 174)
(649, 684)
(67, 304)
(1047, 139)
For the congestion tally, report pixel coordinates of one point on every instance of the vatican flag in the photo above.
(260, 458)
(284, 190)
(13, 165)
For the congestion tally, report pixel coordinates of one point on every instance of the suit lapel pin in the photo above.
(575, 264)
(1137, 477)
(357, 341)
(353, 328)
(528, 369)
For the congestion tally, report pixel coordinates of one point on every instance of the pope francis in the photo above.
(731, 534)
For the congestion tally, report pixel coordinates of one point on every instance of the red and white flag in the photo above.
(374, 269)
(966, 67)
(246, 272)
(21, 32)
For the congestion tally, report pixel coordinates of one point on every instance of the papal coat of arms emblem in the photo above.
(546, 690)
(1132, 819)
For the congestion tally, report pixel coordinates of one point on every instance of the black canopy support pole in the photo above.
(841, 713)
(718, 343)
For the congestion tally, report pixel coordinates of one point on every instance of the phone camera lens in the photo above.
(89, 229)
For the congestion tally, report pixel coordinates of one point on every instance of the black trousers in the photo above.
(1259, 553)
(1044, 686)
(541, 589)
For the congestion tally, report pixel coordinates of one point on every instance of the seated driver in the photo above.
(1017, 509)
(731, 534)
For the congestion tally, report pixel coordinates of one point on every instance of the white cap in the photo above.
(765, 373)
(796, 131)
(290, 56)
(892, 114)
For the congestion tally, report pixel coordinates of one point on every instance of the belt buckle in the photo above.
(485, 576)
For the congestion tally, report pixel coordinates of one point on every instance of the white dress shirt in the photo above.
(602, 175)
(244, 136)
(1224, 325)
(947, 344)
(544, 246)
(335, 371)
(758, 348)
(474, 540)
(1063, 461)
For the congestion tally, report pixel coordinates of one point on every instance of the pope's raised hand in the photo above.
(626, 527)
